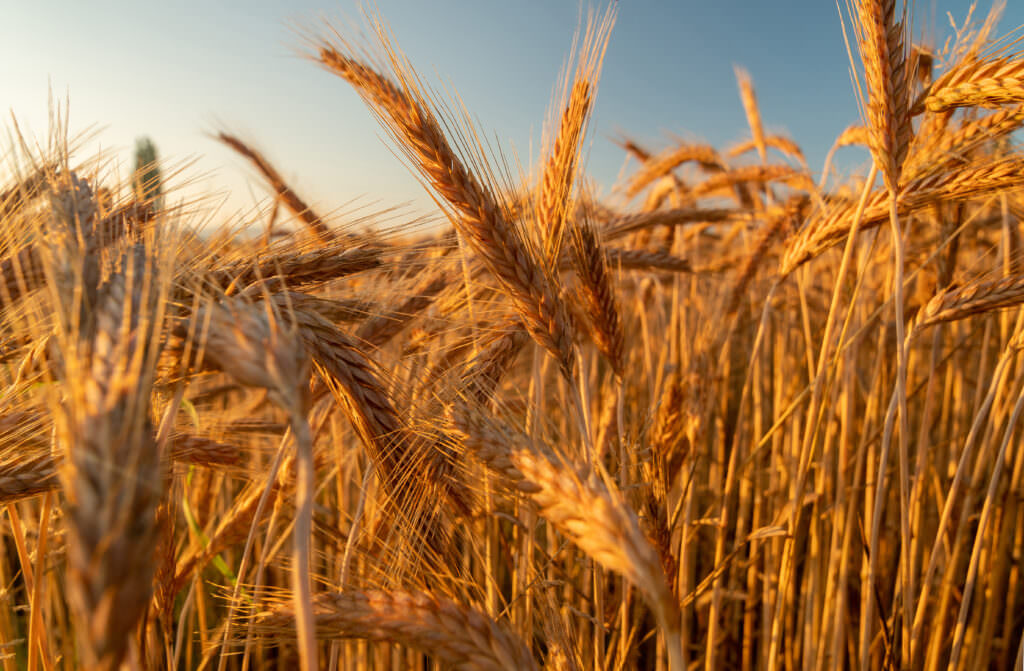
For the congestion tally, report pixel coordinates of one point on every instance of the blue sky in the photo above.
(178, 71)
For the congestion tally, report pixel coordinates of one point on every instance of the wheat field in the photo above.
(765, 418)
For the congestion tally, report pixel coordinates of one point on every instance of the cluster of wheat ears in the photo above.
(757, 421)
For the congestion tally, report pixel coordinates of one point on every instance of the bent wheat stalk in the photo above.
(252, 347)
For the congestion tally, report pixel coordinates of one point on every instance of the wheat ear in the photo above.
(780, 143)
(749, 99)
(598, 292)
(880, 32)
(562, 164)
(291, 200)
(662, 164)
(251, 345)
(940, 150)
(975, 298)
(977, 83)
(833, 225)
(472, 207)
(455, 634)
(403, 460)
(111, 473)
(559, 172)
(293, 270)
(586, 508)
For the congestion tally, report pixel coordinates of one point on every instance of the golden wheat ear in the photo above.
(27, 465)
(881, 32)
(470, 203)
(585, 507)
(749, 99)
(593, 271)
(455, 634)
(253, 344)
(559, 173)
(111, 471)
(292, 201)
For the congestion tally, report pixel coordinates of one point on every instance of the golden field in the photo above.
(764, 419)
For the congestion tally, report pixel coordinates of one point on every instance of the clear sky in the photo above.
(178, 71)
